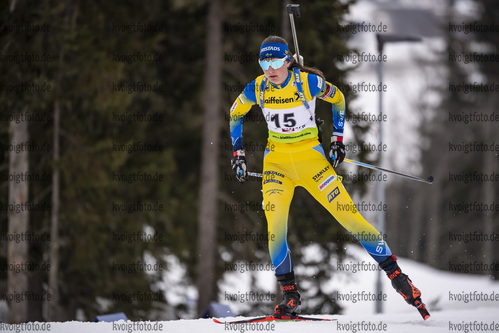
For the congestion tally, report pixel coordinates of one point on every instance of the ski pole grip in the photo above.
(293, 9)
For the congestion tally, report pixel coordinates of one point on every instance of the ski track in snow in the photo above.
(440, 321)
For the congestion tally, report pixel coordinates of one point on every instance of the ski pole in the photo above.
(259, 175)
(428, 180)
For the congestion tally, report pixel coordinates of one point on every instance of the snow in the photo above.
(447, 296)
(470, 320)
(442, 291)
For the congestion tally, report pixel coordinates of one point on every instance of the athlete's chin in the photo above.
(274, 79)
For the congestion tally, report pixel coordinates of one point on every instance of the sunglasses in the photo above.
(276, 64)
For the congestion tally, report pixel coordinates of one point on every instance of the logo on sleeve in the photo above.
(334, 193)
(319, 82)
(233, 107)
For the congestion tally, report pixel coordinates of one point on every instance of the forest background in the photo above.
(115, 153)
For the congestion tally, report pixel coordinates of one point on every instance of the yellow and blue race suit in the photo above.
(294, 157)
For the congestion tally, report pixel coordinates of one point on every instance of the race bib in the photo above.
(291, 120)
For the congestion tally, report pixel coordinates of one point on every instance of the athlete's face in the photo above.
(277, 75)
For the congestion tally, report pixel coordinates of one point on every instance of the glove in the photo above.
(337, 152)
(238, 163)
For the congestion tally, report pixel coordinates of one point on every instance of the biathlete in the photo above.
(287, 93)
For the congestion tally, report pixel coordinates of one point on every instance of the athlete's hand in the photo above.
(337, 152)
(239, 166)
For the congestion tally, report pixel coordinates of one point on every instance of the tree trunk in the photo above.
(18, 221)
(53, 290)
(207, 217)
(488, 186)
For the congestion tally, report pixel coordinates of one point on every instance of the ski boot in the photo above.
(291, 303)
(403, 285)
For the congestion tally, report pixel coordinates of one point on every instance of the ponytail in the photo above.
(311, 70)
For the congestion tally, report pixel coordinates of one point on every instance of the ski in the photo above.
(272, 318)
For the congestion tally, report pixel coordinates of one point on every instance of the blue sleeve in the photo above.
(338, 121)
(315, 84)
(236, 133)
(240, 107)
(328, 92)
(250, 92)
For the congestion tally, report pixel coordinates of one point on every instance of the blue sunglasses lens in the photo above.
(276, 64)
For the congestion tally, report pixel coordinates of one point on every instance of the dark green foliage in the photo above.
(84, 42)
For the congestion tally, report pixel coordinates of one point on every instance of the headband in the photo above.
(274, 50)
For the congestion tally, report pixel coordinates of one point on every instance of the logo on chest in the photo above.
(281, 100)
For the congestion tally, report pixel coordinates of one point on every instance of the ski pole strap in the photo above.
(262, 91)
(299, 87)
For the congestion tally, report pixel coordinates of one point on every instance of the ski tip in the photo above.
(217, 321)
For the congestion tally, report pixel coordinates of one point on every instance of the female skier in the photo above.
(287, 93)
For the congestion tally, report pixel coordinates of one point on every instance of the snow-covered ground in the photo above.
(457, 302)
(475, 319)
(354, 286)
